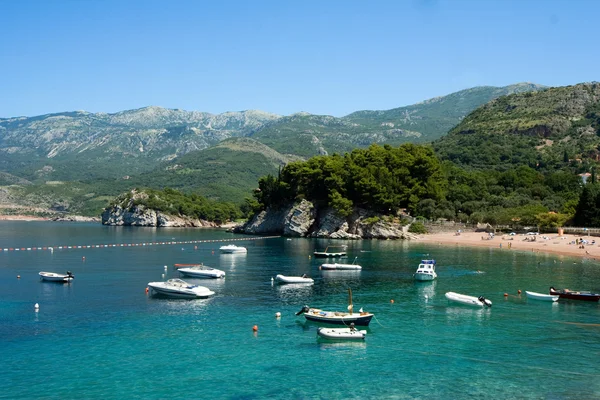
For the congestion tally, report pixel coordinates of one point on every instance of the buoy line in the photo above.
(143, 244)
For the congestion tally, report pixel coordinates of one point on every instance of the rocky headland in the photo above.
(129, 213)
(304, 219)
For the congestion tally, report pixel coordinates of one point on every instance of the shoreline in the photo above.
(565, 245)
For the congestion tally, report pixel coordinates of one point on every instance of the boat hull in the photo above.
(202, 273)
(343, 267)
(232, 249)
(333, 318)
(541, 296)
(174, 294)
(178, 289)
(341, 334)
(321, 254)
(53, 277)
(292, 279)
(424, 277)
(467, 300)
(582, 296)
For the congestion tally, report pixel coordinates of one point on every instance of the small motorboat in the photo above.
(180, 289)
(199, 271)
(232, 249)
(425, 271)
(360, 318)
(331, 251)
(541, 296)
(293, 279)
(54, 277)
(468, 300)
(341, 266)
(341, 333)
(575, 295)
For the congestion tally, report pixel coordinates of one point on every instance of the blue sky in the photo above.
(323, 57)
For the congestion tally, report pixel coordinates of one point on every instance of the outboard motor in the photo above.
(485, 301)
(303, 310)
(70, 274)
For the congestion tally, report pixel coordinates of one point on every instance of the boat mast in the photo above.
(350, 307)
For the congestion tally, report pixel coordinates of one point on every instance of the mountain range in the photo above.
(74, 161)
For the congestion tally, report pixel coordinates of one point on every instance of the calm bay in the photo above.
(103, 337)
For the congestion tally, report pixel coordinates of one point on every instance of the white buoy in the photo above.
(163, 276)
(37, 306)
(277, 314)
(166, 267)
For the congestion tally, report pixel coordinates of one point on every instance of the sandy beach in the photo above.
(546, 243)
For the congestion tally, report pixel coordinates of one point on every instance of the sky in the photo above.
(330, 57)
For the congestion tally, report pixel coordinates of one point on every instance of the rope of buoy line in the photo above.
(143, 244)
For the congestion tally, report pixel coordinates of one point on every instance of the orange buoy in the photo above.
(147, 290)
(255, 328)
(505, 294)
(392, 301)
(519, 291)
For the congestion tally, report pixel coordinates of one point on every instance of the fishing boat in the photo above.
(341, 266)
(331, 251)
(541, 296)
(360, 318)
(293, 279)
(232, 249)
(575, 295)
(341, 333)
(54, 277)
(425, 271)
(199, 271)
(180, 289)
(468, 300)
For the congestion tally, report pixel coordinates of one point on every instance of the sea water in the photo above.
(104, 337)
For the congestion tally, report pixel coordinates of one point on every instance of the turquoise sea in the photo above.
(103, 337)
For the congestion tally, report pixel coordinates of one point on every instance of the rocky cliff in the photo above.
(303, 219)
(129, 213)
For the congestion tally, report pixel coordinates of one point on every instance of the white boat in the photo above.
(425, 271)
(468, 300)
(331, 251)
(232, 249)
(180, 289)
(199, 271)
(360, 318)
(341, 333)
(293, 279)
(341, 266)
(541, 296)
(54, 277)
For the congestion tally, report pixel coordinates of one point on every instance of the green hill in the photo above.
(541, 129)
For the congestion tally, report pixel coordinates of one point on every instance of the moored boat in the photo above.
(360, 318)
(180, 289)
(341, 266)
(331, 251)
(541, 296)
(54, 277)
(575, 295)
(293, 279)
(199, 271)
(341, 333)
(425, 271)
(232, 249)
(468, 300)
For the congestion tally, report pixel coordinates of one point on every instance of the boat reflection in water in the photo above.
(454, 313)
(426, 289)
(294, 291)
